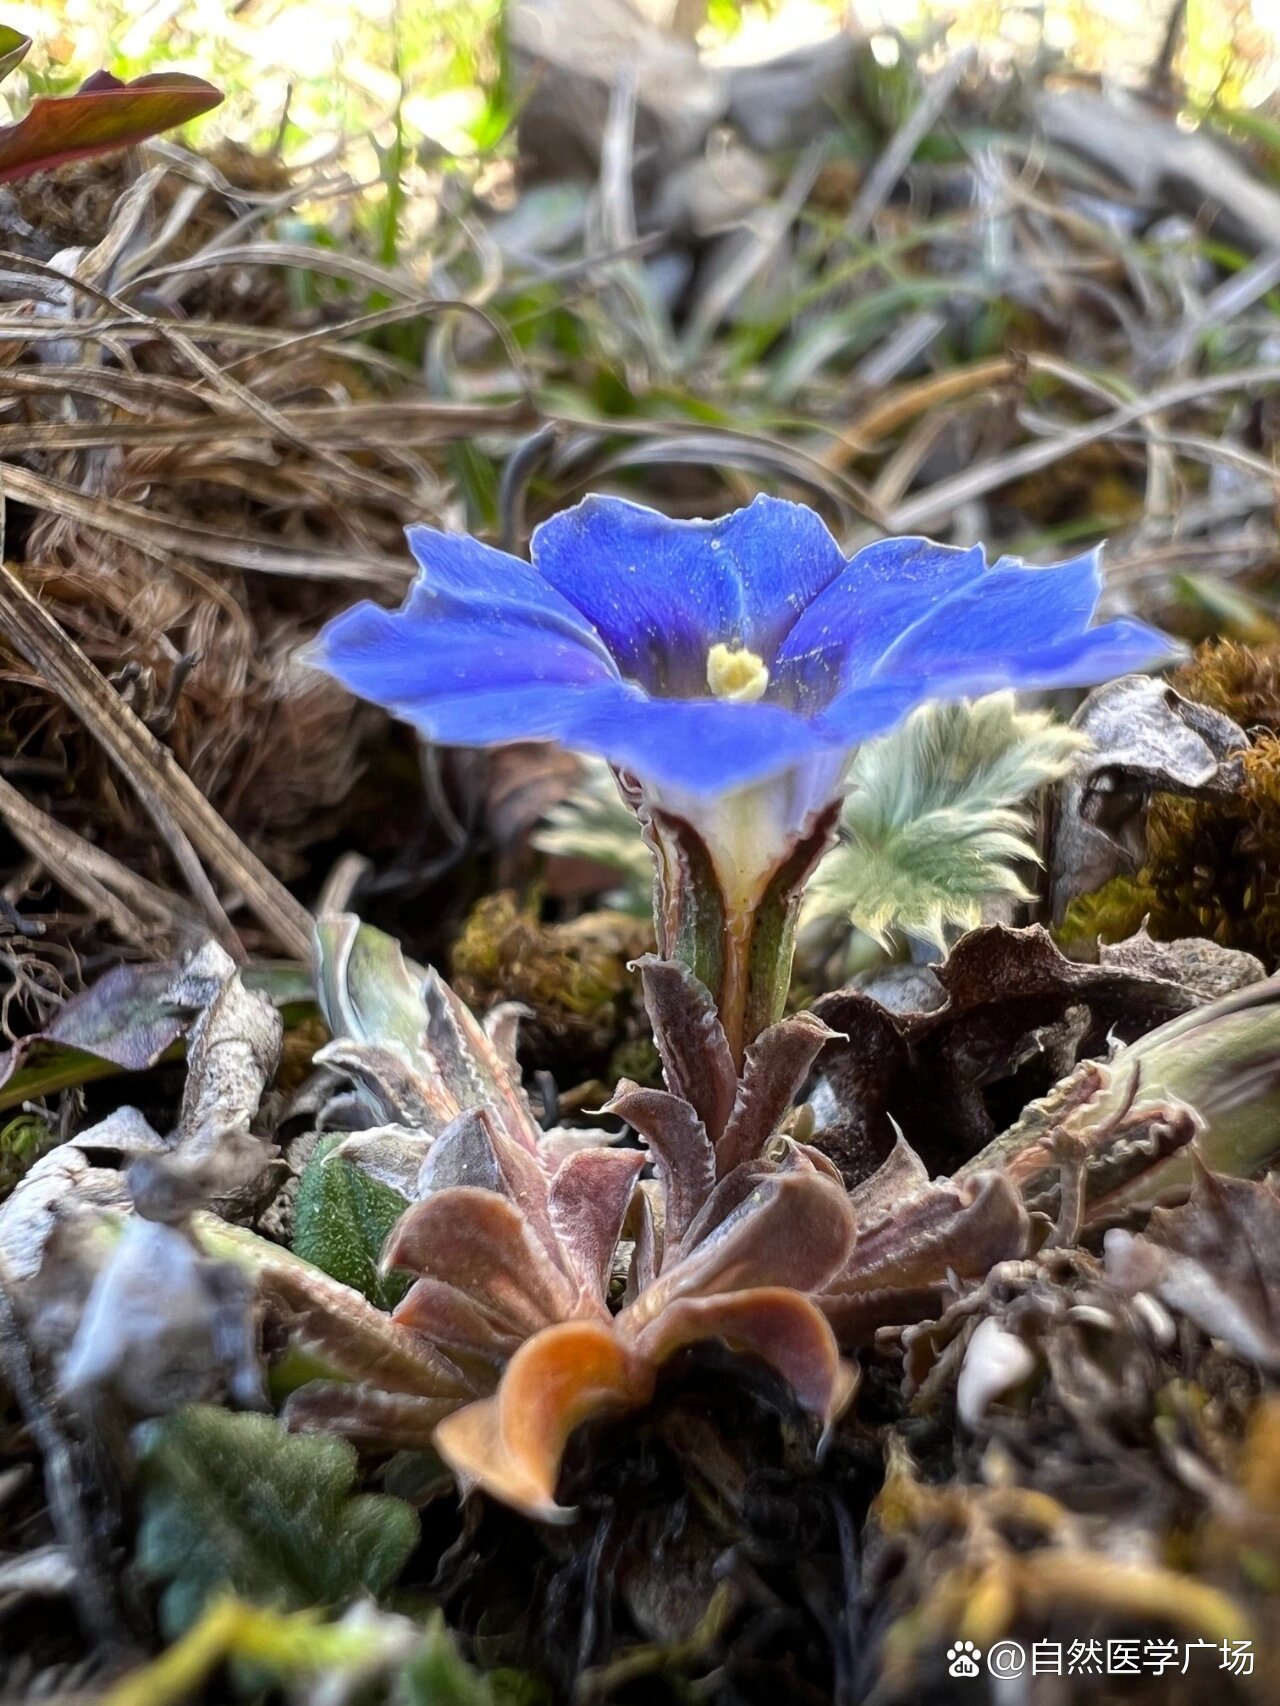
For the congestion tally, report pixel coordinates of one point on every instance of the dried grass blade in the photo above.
(139, 911)
(173, 800)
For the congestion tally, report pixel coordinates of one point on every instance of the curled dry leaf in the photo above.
(916, 1238)
(165, 1325)
(1215, 1260)
(1014, 1014)
(1124, 1135)
(417, 1055)
(1144, 738)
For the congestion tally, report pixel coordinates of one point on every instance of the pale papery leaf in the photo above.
(501, 1025)
(1215, 1260)
(776, 1066)
(388, 1088)
(391, 1154)
(471, 1065)
(561, 1141)
(372, 997)
(696, 1060)
(683, 1157)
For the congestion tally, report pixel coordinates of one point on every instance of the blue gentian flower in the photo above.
(727, 670)
(702, 656)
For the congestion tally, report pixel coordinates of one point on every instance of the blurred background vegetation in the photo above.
(315, 76)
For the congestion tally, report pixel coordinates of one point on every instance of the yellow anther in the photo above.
(736, 674)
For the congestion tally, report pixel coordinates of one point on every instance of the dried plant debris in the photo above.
(1214, 1260)
(557, 1291)
(1144, 738)
(572, 977)
(996, 1024)
(1202, 861)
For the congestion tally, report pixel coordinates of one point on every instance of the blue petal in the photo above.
(1008, 612)
(662, 592)
(1080, 660)
(872, 708)
(885, 588)
(702, 746)
(461, 575)
(1099, 654)
(463, 680)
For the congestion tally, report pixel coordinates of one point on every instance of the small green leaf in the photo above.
(936, 820)
(343, 1219)
(233, 1503)
(438, 1675)
(14, 47)
(22, 1142)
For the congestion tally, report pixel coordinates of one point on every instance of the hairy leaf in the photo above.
(342, 1220)
(935, 821)
(234, 1503)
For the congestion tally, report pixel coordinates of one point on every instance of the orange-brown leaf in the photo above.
(511, 1444)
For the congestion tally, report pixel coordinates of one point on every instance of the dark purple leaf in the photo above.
(683, 1157)
(696, 1061)
(775, 1067)
(103, 115)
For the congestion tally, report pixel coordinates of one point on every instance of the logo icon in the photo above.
(962, 1659)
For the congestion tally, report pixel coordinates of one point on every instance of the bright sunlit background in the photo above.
(300, 74)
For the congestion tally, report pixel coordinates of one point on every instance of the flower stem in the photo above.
(738, 946)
